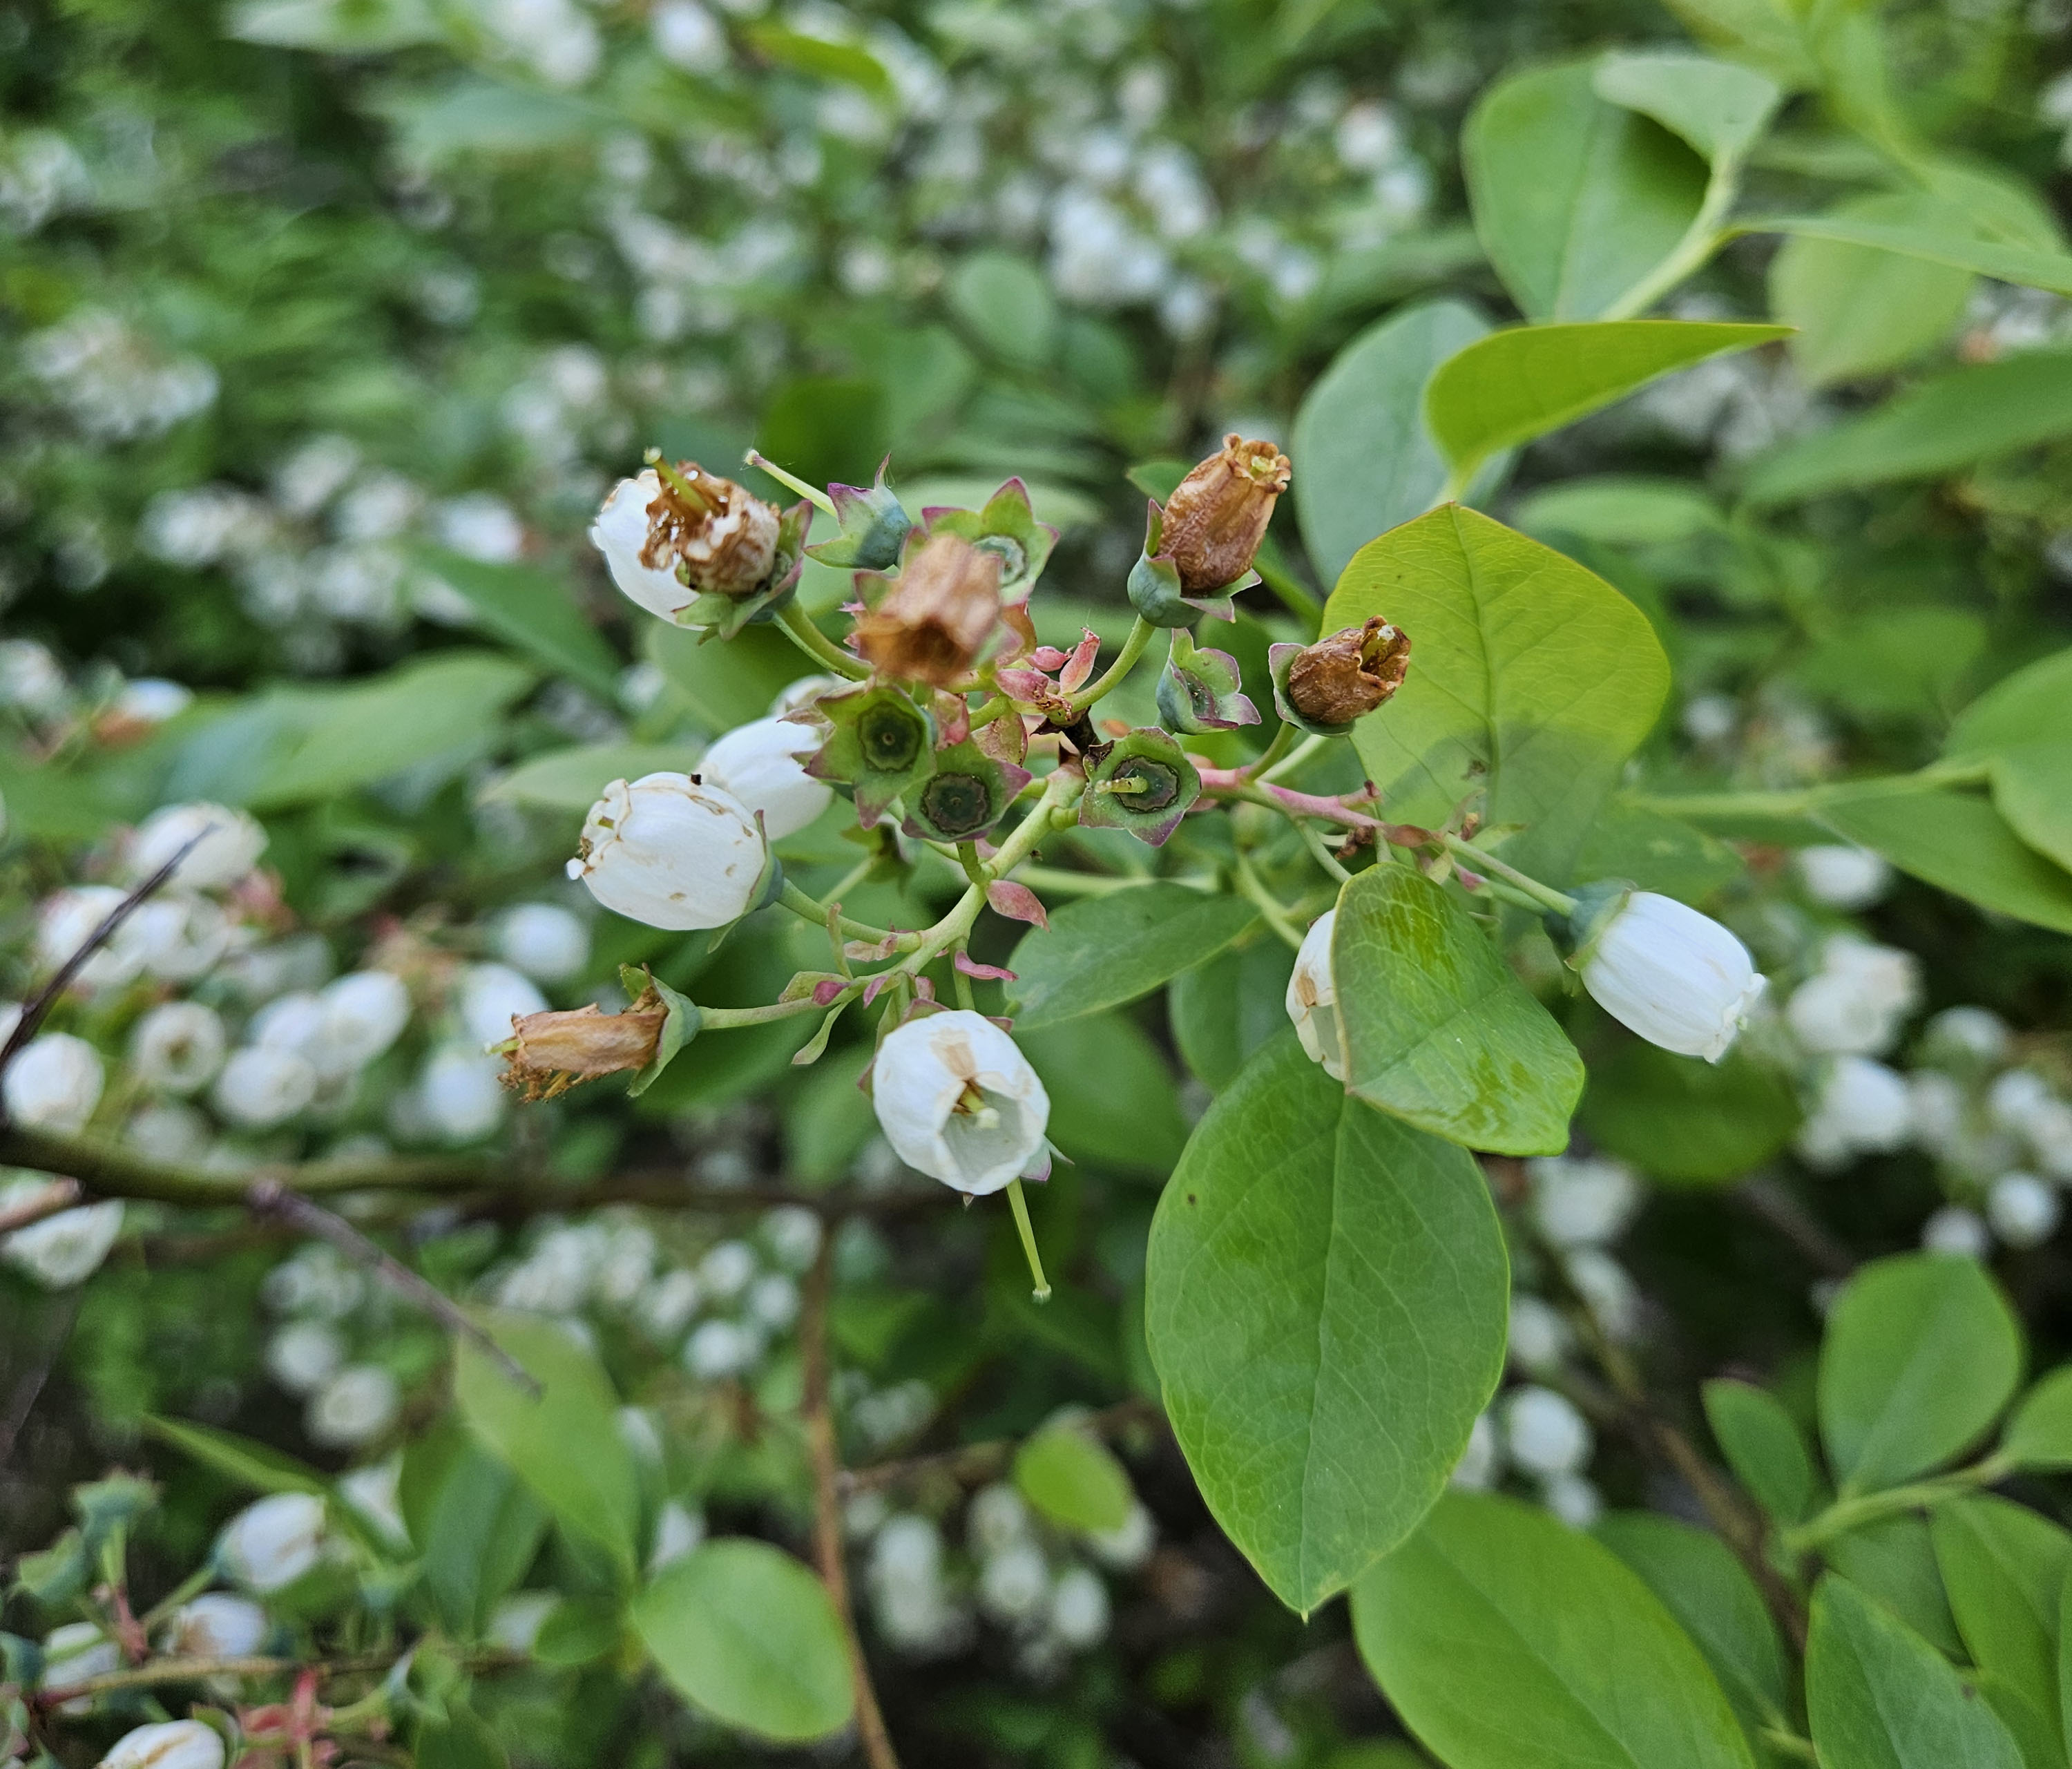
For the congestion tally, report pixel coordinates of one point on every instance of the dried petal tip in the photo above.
(551, 1052)
(723, 537)
(1349, 674)
(935, 618)
(1217, 516)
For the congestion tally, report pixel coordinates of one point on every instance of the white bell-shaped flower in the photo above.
(358, 1404)
(491, 996)
(63, 1250)
(759, 763)
(463, 1096)
(170, 1744)
(177, 1047)
(1675, 977)
(181, 935)
(1313, 997)
(1544, 1432)
(957, 1100)
(53, 1082)
(544, 940)
(67, 919)
(217, 1625)
(230, 845)
(665, 850)
(620, 533)
(260, 1087)
(361, 1014)
(274, 1541)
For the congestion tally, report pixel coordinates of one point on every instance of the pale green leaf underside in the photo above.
(1325, 1296)
(1960, 843)
(1103, 951)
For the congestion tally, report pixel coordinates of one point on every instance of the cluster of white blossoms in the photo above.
(1041, 1586)
(111, 381)
(327, 1309)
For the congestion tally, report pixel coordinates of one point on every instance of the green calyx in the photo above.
(874, 526)
(967, 794)
(1006, 527)
(882, 744)
(1154, 588)
(678, 1029)
(1576, 935)
(1200, 689)
(1142, 783)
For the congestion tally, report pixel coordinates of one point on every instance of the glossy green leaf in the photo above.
(1763, 1446)
(1115, 1104)
(2029, 266)
(748, 1633)
(2023, 727)
(1858, 310)
(1327, 1291)
(2032, 791)
(1679, 1118)
(1101, 952)
(564, 1443)
(1438, 1028)
(1512, 386)
(2034, 1732)
(1621, 509)
(1697, 1579)
(1368, 460)
(531, 609)
(258, 1466)
(365, 29)
(723, 684)
(1006, 305)
(1759, 32)
(573, 779)
(1575, 199)
(475, 1526)
(1880, 1697)
(1893, 1561)
(2039, 1436)
(1073, 1480)
(1504, 1637)
(1719, 108)
(1922, 1352)
(1224, 1009)
(1959, 842)
(1657, 853)
(1943, 425)
(1532, 680)
(457, 1737)
(2005, 1570)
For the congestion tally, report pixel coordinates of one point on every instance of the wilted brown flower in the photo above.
(724, 537)
(1217, 514)
(1349, 672)
(548, 1053)
(938, 614)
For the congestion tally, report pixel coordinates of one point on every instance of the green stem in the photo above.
(1253, 887)
(1311, 745)
(816, 644)
(1540, 896)
(1322, 854)
(1705, 236)
(1133, 648)
(1853, 1512)
(725, 1020)
(1807, 800)
(1027, 1230)
(1777, 1738)
(1284, 740)
(1098, 884)
(1061, 789)
(812, 494)
(806, 908)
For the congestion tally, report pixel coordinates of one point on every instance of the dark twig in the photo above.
(31, 1385)
(271, 1197)
(37, 1008)
(195, 1670)
(1762, 1197)
(58, 1196)
(970, 1464)
(817, 1412)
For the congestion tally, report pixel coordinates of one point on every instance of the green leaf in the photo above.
(2038, 1438)
(1893, 1560)
(533, 610)
(2034, 1734)
(476, 1528)
(564, 1444)
(1437, 1029)
(1511, 386)
(727, 683)
(1700, 1582)
(1759, 32)
(1073, 1480)
(1531, 682)
(1880, 1697)
(1719, 108)
(1325, 1296)
(2023, 726)
(1860, 310)
(1222, 1010)
(1657, 853)
(258, 1466)
(1101, 952)
(1949, 244)
(1763, 1446)
(1505, 1638)
(1575, 199)
(1959, 842)
(1114, 1103)
(1949, 421)
(1627, 510)
(1922, 1353)
(2006, 1570)
(368, 28)
(573, 779)
(579, 1631)
(1006, 305)
(1678, 1118)
(335, 740)
(746, 1633)
(1368, 458)
(457, 1737)
(821, 58)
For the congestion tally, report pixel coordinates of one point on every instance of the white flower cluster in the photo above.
(111, 381)
(1040, 1586)
(326, 1304)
